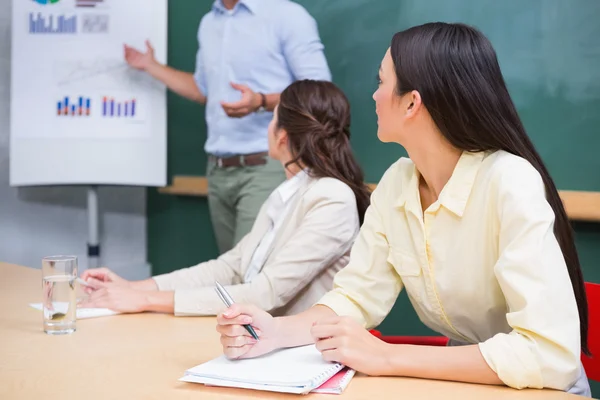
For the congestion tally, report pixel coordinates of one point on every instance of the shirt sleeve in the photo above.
(302, 47)
(200, 73)
(188, 282)
(543, 348)
(367, 288)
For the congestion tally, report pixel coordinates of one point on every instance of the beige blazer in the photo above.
(312, 244)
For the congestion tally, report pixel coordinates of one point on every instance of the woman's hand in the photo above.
(343, 340)
(117, 298)
(237, 341)
(99, 278)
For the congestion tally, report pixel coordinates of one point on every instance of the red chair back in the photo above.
(417, 340)
(592, 364)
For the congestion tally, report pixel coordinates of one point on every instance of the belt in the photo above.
(240, 160)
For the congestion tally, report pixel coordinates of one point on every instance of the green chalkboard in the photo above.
(549, 51)
(179, 230)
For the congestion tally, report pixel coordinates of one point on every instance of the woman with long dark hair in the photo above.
(301, 237)
(471, 226)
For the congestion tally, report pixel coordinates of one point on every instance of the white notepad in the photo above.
(81, 313)
(334, 385)
(295, 370)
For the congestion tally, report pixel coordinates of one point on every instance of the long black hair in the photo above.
(316, 117)
(455, 70)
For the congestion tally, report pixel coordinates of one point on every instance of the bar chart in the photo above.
(94, 23)
(52, 24)
(118, 109)
(81, 107)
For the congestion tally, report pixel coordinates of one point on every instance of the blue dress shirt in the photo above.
(264, 44)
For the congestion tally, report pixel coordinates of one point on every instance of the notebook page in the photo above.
(298, 366)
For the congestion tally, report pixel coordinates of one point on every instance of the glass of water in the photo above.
(59, 294)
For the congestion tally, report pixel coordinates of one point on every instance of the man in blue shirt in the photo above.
(249, 51)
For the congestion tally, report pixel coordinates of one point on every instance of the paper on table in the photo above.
(294, 370)
(82, 313)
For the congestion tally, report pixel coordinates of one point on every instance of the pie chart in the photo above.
(46, 1)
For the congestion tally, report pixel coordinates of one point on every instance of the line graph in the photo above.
(99, 73)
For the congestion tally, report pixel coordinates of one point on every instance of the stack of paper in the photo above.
(296, 370)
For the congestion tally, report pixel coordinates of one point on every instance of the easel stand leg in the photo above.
(93, 247)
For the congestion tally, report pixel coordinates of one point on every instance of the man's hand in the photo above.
(249, 103)
(139, 60)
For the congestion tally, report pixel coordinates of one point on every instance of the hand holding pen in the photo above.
(226, 298)
(237, 340)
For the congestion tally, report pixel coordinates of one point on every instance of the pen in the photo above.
(226, 298)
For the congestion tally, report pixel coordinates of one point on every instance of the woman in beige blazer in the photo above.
(301, 237)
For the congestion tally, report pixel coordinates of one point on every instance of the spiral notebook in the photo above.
(296, 370)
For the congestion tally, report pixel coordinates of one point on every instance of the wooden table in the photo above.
(142, 356)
